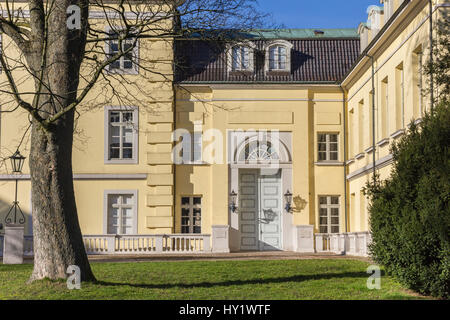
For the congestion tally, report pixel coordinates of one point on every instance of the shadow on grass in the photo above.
(297, 278)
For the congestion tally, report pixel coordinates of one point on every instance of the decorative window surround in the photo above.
(135, 138)
(360, 156)
(368, 168)
(123, 64)
(106, 208)
(328, 147)
(369, 150)
(329, 164)
(418, 121)
(398, 133)
(350, 161)
(383, 142)
(249, 49)
(283, 44)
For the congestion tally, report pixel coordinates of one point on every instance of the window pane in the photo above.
(334, 229)
(185, 201)
(323, 221)
(114, 116)
(334, 200)
(323, 229)
(322, 146)
(197, 229)
(197, 200)
(333, 147)
(185, 212)
(185, 229)
(334, 156)
(128, 117)
(322, 138)
(127, 153)
(333, 138)
(335, 220)
(323, 200)
(323, 212)
(114, 153)
(322, 156)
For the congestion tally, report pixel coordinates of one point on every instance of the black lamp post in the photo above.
(288, 197)
(17, 161)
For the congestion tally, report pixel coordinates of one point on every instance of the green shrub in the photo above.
(409, 212)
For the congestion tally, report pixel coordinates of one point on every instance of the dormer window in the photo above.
(375, 18)
(278, 56)
(241, 57)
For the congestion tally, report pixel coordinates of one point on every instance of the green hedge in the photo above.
(409, 212)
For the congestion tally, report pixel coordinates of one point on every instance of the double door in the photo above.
(260, 203)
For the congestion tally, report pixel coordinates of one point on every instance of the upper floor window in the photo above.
(328, 147)
(241, 57)
(278, 56)
(121, 135)
(128, 62)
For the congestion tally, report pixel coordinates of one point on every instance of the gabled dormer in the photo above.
(374, 21)
(363, 32)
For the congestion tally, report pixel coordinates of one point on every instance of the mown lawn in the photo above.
(258, 280)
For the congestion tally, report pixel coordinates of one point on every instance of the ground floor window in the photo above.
(191, 215)
(121, 213)
(329, 214)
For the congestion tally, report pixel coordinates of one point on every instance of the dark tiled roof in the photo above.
(313, 61)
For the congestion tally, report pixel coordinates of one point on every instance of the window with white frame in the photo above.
(329, 214)
(191, 214)
(240, 56)
(128, 62)
(278, 56)
(328, 147)
(121, 213)
(122, 135)
(192, 148)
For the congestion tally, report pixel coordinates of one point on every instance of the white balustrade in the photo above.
(350, 243)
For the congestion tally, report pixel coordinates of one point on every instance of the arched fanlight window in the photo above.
(259, 151)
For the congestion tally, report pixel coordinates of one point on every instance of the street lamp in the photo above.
(288, 198)
(17, 161)
(233, 196)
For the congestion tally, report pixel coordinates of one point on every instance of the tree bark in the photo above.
(57, 236)
(55, 57)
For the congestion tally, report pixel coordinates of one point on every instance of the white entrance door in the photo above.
(260, 210)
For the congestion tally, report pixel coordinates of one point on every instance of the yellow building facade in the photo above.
(265, 145)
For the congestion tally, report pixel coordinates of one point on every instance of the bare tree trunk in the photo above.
(55, 56)
(57, 236)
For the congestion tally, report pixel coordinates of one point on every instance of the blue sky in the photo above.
(318, 13)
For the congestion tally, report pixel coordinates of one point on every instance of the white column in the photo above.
(220, 239)
(13, 245)
(305, 239)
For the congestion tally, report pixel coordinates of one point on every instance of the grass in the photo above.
(258, 280)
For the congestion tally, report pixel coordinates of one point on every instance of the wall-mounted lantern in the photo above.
(233, 198)
(288, 198)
